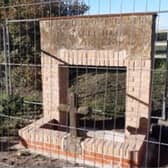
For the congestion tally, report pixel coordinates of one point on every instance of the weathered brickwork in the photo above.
(99, 41)
(95, 151)
(113, 40)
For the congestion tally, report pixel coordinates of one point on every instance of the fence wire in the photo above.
(101, 91)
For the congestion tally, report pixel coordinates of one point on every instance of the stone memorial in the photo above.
(123, 40)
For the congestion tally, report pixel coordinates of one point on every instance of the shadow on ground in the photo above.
(7, 142)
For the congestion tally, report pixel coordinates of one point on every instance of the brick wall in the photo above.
(95, 151)
(100, 41)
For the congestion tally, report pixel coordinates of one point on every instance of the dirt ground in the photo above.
(10, 159)
(13, 157)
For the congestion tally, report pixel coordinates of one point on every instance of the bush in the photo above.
(11, 105)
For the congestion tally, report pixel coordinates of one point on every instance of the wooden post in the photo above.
(72, 114)
(73, 110)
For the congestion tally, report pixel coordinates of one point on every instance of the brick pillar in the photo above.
(138, 99)
(55, 87)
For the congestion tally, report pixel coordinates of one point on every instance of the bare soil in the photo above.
(12, 157)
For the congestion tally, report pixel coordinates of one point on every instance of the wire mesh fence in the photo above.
(83, 83)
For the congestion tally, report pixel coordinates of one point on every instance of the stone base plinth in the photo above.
(96, 151)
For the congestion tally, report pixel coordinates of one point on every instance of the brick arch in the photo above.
(138, 79)
(83, 43)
